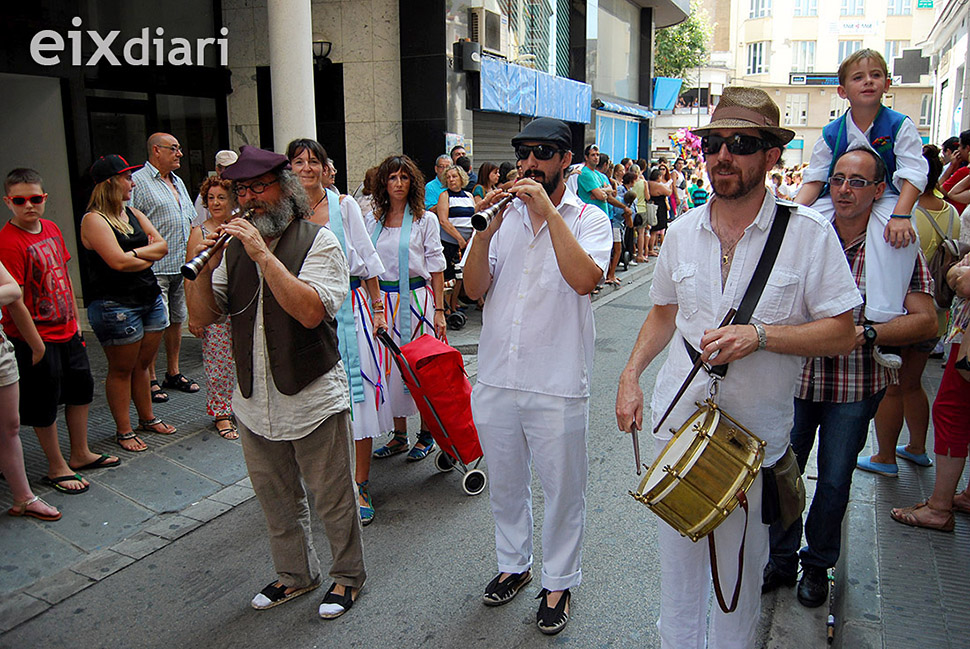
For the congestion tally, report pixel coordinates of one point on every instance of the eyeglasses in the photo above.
(540, 151)
(737, 144)
(174, 148)
(36, 199)
(254, 188)
(854, 183)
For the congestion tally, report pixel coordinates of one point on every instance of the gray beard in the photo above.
(273, 220)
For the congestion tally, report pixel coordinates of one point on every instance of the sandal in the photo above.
(501, 592)
(424, 437)
(226, 433)
(275, 594)
(181, 383)
(366, 511)
(122, 437)
(158, 394)
(959, 506)
(151, 426)
(334, 605)
(552, 620)
(908, 516)
(57, 484)
(20, 509)
(398, 444)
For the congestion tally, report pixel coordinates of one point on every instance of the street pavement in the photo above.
(168, 549)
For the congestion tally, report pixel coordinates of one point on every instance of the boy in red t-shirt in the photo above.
(43, 327)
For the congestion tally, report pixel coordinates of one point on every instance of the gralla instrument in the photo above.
(191, 268)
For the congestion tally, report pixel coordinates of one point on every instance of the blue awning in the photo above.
(665, 92)
(635, 110)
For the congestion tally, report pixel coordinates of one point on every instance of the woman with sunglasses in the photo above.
(25, 503)
(361, 315)
(126, 310)
(401, 228)
(220, 370)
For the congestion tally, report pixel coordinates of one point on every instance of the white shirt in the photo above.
(268, 412)
(908, 148)
(362, 257)
(809, 281)
(426, 255)
(537, 332)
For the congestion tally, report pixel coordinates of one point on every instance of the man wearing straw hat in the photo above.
(704, 268)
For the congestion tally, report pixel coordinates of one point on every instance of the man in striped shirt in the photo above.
(162, 196)
(838, 395)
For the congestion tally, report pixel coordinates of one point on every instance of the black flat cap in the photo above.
(546, 129)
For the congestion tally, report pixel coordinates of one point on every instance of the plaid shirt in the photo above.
(173, 219)
(857, 376)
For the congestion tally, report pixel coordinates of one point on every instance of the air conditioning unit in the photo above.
(491, 30)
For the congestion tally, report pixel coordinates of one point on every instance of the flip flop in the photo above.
(55, 483)
(102, 462)
(907, 516)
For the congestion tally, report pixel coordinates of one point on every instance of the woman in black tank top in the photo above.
(125, 306)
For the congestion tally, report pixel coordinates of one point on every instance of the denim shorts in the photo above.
(122, 324)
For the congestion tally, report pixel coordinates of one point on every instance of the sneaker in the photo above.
(634, 263)
(887, 357)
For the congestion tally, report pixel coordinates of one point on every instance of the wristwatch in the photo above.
(869, 333)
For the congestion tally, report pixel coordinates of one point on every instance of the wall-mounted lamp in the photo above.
(321, 52)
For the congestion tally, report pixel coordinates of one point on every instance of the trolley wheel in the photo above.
(474, 482)
(456, 320)
(443, 462)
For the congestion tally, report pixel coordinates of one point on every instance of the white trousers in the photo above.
(686, 588)
(888, 270)
(516, 429)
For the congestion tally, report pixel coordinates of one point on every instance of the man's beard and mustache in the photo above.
(273, 219)
(733, 188)
(551, 185)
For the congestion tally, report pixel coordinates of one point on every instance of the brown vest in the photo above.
(297, 355)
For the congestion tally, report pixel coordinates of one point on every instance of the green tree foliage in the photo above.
(683, 47)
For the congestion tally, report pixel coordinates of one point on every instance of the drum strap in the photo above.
(758, 280)
(743, 501)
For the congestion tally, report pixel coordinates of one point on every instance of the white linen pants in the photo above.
(518, 428)
(888, 270)
(685, 581)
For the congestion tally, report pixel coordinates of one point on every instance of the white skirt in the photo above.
(371, 417)
(421, 322)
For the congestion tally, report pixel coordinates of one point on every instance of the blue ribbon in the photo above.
(403, 269)
(346, 331)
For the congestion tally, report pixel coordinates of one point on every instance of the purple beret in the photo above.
(254, 162)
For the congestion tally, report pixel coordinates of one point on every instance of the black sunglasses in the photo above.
(540, 151)
(854, 183)
(36, 199)
(737, 144)
(255, 188)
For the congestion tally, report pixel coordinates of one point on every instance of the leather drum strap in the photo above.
(743, 501)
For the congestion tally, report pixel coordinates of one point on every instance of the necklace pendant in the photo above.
(724, 259)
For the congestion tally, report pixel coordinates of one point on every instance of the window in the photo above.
(853, 7)
(894, 49)
(796, 109)
(760, 8)
(803, 56)
(758, 57)
(848, 47)
(925, 110)
(837, 106)
(900, 7)
(806, 7)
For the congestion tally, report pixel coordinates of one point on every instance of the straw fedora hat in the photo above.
(742, 107)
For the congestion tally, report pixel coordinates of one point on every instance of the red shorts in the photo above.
(951, 412)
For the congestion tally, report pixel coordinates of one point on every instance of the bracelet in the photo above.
(442, 310)
(901, 216)
(762, 336)
(375, 309)
(135, 253)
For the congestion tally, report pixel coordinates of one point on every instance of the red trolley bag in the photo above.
(434, 373)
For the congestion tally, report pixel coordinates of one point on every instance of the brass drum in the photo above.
(692, 485)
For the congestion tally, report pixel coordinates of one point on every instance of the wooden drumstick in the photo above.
(693, 372)
(636, 444)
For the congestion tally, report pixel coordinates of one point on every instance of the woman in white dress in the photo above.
(401, 229)
(360, 316)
